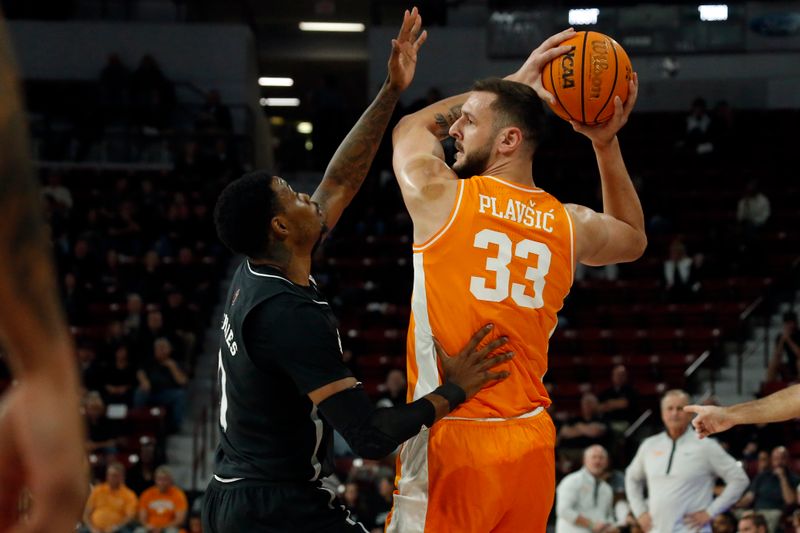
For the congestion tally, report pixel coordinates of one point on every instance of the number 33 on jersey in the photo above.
(505, 256)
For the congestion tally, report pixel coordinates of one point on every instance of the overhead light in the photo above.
(267, 81)
(583, 16)
(332, 26)
(304, 127)
(280, 102)
(713, 13)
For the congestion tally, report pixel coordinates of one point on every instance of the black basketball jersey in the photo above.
(279, 342)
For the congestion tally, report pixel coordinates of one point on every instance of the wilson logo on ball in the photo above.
(599, 62)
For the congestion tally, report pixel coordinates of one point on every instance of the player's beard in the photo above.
(473, 164)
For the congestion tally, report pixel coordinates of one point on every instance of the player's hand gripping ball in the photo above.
(585, 80)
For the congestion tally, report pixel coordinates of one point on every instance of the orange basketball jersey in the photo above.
(505, 256)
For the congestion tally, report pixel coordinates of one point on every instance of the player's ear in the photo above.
(510, 140)
(279, 227)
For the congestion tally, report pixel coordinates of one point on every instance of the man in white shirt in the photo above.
(679, 471)
(584, 502)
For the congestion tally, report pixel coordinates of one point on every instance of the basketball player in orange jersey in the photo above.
(493, 246)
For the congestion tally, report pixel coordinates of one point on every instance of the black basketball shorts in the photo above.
(247, 506)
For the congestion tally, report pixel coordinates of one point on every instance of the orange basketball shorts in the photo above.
(477, 476)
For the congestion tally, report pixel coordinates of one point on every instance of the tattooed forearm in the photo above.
(352, 159)
(445, 120)
(27, 282)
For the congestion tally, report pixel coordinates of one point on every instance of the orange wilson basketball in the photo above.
(585, 80)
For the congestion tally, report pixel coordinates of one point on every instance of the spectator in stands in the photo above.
(221, 160)
(678, 470)
(152, 95)
(762, 461)
(88, 366)
(698, 124)
(119, 378)
(753, 523)
(192, 277)
(679, 278)
(795, 528)
(723, 523)
(143, 472)
(195, 524)
(161, 382)
(102, 434)
(162, 507)
(154, 329)
(56, 191)
(785, 360)
(214, 115)
(187, 161)
(753, 210)
(76, 301)
(114, 336)
(111, 280)
(120, 193)
(83, 264)
(772, 489)
(111, 505)
(124, 229)
(134, 315)
(182, 319)
(383, 503)
(114, 90)
(584, 430)
(151, 278)
(763, 436)
(357, 504)
(394, 389)
(619, 403)
(584, 502)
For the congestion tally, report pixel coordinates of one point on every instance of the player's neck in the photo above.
(295, 269)
(517, 170)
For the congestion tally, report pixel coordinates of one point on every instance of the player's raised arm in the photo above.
(350, 164)
(41, 434)
(617, 234)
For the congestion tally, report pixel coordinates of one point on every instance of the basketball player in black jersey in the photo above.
(283, 384)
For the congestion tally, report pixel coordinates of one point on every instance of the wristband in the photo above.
(451, 392)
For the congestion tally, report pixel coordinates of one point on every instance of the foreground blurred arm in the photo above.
(41, 448)
(777, 407)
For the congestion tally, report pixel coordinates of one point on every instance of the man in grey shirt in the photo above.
(584, 502)
(679, 471)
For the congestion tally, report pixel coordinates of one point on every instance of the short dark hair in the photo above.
(516, 105)
(757, 519)
(243, 211)
(789, 316)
